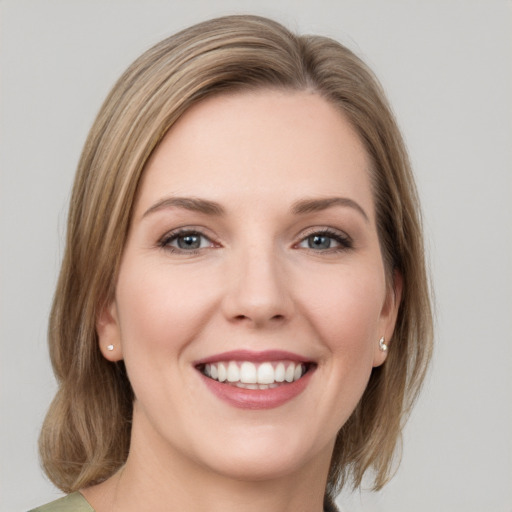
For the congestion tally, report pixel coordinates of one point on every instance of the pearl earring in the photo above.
(110, 347)
(383, 345)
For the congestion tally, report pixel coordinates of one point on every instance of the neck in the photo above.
(217, 494)
(151, 481)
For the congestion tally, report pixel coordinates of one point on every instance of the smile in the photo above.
(249, 375)
(256, 380)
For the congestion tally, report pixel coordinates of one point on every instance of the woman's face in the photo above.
(252, 293)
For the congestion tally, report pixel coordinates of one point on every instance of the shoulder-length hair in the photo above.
(86, 434)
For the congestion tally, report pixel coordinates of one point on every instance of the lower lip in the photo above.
(258, 398)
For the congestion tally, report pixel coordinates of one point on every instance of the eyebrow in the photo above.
(316, 205)
(188, 203)
(207, 207)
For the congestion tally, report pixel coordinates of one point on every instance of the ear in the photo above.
(109, 334)
(388, 316)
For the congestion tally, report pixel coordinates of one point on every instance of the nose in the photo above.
(258, 291)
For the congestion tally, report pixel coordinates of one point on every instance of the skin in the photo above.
(257, 282)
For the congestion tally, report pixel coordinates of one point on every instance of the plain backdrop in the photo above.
(447, 68)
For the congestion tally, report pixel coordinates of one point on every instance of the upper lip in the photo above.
(253, 356)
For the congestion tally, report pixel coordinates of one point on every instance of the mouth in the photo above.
(256, 380)
(255, 375)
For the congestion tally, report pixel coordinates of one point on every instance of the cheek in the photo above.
(345, 308)
(342, 312)
(159, 310)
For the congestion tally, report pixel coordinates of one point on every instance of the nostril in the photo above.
(274, 318)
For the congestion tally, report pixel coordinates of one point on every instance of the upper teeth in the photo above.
(251, 373)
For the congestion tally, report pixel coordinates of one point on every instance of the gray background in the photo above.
(447, 67)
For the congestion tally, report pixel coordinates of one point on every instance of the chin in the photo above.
(259, 468)
(265, 456)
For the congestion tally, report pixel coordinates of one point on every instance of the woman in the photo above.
(242, 317)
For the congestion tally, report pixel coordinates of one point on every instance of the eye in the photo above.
(185, 241)
(326, 240)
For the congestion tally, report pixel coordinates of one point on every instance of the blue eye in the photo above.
(186, 241)
(319, 242)
(325, 241)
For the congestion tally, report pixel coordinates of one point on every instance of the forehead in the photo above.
(271, 145)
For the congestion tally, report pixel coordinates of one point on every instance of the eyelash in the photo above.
(172, 236)
(343, 240)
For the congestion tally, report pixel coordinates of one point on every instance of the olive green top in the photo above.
(74, 502)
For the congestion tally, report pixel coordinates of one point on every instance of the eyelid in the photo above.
(164, 241)
(338, 235)
(341, 237)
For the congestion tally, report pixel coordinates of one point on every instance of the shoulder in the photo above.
(74, 502)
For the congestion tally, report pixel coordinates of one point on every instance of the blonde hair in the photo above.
(86, 434)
